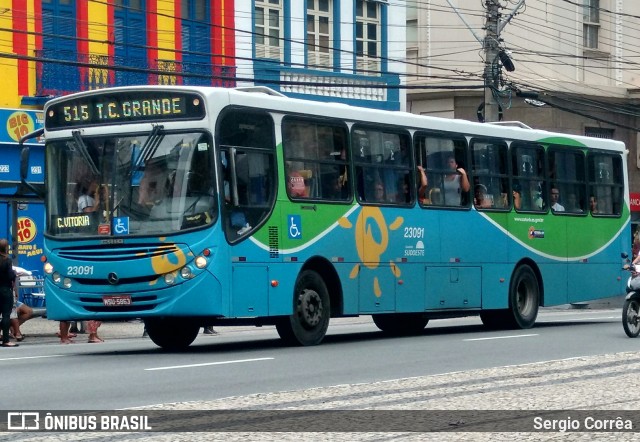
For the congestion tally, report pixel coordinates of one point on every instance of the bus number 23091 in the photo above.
(414, 232)
(79, 270)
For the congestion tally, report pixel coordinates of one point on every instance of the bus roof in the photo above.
(265, 98)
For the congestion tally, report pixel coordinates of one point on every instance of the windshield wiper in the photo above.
(84, 151)
(149, 148)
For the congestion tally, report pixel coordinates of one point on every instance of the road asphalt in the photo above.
(494, 404)
(40, 330)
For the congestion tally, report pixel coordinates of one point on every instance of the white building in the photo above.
(581, 56)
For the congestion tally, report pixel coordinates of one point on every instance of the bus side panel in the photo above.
(350, 296)
(600, 275)
(250, 290)
(450, 287)
(495, 285)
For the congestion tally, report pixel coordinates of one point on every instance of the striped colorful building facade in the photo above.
(54, 47)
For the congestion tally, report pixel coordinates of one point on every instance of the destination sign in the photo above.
(124, 107)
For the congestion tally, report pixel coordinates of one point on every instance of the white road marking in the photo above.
(208, 363)
(501, 337)
(593, 318)
(30, 357)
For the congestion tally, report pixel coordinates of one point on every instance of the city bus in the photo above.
(196, 206)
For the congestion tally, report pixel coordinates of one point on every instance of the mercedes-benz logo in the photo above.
(112, 278)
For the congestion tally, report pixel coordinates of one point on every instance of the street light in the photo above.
(506, 60)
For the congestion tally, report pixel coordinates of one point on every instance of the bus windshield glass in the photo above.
(144, 184)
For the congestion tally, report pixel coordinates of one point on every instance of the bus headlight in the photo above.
(170, 278)
(56, 277)
(186, 273)
(66, 283)
(201, 262)
(48, 268)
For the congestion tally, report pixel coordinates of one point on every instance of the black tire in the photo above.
(311, 311)
(171, 333)
(524, 300)
(630, 319)
(401, 324)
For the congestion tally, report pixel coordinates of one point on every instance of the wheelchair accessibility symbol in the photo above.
(295, 226)
(121, 225)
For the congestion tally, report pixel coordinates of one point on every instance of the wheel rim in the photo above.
(632, 316)
(310, 308)
(525, 302)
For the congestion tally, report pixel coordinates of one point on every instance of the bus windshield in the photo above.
(145, 184)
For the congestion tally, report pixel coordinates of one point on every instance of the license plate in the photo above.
(117, 300)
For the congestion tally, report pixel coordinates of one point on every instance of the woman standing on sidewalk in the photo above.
(92, 328)
(7, 280)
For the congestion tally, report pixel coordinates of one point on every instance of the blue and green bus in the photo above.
(193, 206)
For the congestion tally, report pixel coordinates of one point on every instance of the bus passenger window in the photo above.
(527, 161)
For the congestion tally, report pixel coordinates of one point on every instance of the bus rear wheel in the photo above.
(171, 333)
(311, 311)
(524, 299)
(401, 324)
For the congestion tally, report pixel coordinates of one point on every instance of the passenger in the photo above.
(481, 200)
(455, 183)
(517, 196)
(422, 185)
(89, 198)
(555, 197)
(296, 186)
(337, 188)
(593, 204)
(152, 184)
(435, 196)
(7, 282)
(378, 192)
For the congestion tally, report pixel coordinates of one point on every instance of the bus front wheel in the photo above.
(311, 311)
(171, 333)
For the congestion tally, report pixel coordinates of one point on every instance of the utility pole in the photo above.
(491, 64)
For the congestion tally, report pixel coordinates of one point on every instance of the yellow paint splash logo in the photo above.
(373, 242)
(169, 261)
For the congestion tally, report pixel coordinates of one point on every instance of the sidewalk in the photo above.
(42, 331)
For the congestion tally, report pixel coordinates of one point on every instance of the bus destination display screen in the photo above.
(124, 107)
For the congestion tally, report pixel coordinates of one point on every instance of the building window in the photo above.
(599, 132)
(319, 32)
(412, 23)
(591, 23)
(368, 37)
(196, 42)
(269, 27)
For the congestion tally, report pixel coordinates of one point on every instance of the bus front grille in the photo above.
(117, 253)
